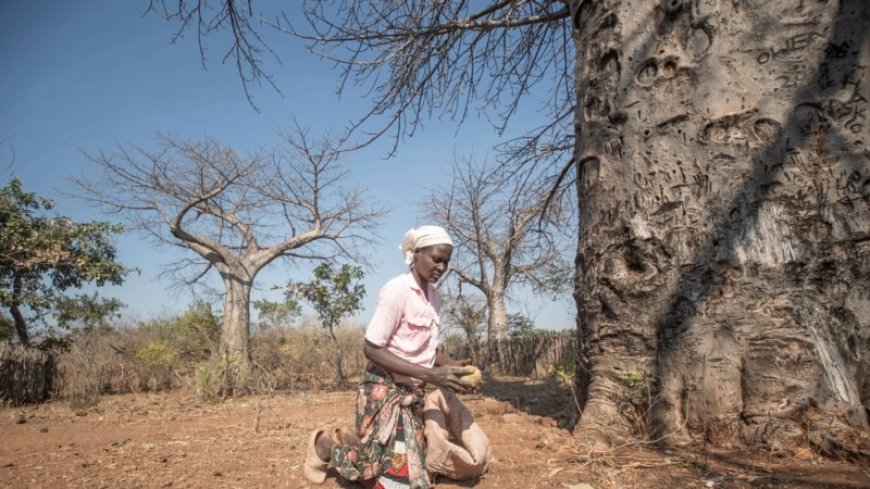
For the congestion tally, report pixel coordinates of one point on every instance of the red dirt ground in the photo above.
(174, 440)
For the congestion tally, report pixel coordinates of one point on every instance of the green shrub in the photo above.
(211, 380)
(634, 380)
(565, 370)
(157, 354)
(196, 331)
(193, 334)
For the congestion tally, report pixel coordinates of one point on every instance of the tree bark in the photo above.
(235, 328)
(497, 320)
(20, 325)
(724, 189)
(17, 315)
(340, 376)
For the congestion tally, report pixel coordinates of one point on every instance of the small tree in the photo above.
(520, 326)
(335, 295)
(199, 328)
(41, 256)
(274, 314)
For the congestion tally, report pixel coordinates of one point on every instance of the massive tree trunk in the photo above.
(724, 186)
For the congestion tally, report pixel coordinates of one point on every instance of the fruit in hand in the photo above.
(473, 378)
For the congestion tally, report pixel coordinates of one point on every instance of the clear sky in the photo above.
(85, 75)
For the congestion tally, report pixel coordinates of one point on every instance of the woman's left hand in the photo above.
(448, 377)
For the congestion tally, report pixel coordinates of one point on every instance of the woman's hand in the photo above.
(447, 376)
(454, 370)
(445, 373)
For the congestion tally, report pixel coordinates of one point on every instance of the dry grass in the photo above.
(167, 354)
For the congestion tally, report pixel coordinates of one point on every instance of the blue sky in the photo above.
(83, 76)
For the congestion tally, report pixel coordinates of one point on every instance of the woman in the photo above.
(387, 450)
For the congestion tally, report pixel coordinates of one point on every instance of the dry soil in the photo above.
(174, 440)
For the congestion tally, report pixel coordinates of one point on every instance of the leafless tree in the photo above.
(236, 213)
(503, 235)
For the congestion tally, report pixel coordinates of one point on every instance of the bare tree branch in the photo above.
(247, 47)
(222, 204)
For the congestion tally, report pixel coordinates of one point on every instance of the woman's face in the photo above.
(431, 262)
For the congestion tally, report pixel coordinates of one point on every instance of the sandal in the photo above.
(314, 468)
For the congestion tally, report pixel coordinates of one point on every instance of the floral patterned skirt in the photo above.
(389, 424)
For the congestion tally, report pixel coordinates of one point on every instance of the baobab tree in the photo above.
(235, 213)
(504, 234)
(719, 155)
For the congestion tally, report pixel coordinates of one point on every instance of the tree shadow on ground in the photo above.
(538, 397)
(768, 469)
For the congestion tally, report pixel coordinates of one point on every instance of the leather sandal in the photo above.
(314, 468)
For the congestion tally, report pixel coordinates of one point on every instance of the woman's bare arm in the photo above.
(441, 375)
(442, 358)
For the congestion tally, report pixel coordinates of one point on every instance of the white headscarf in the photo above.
(422, 237)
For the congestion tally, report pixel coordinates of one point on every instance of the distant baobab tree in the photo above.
(236, 213)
